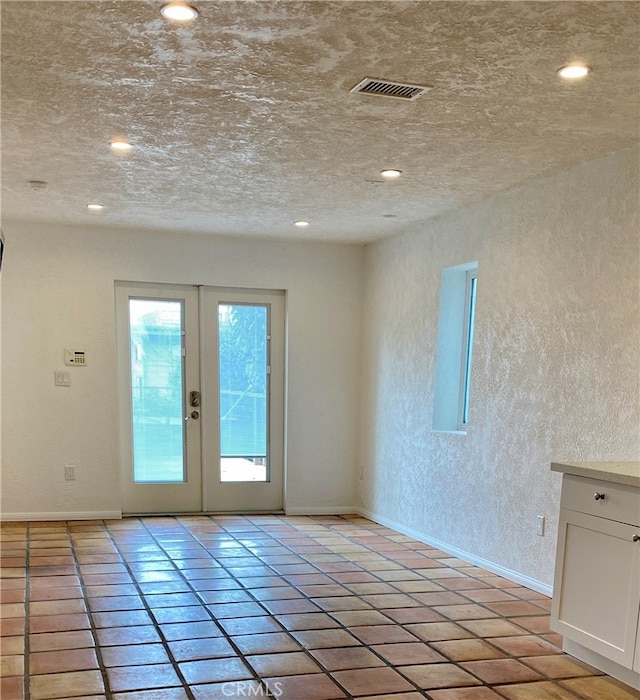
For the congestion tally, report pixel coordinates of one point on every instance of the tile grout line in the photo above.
(203, 605)
(403, 566)
(268, 613)
(189, 533)
(27, 613)
(505, 654)
(402, 624)
(92, 626)
(341, 626)
(296, 554)
(394, 622)
(310, 599)
(305, 650)
(359, 597)
(152, 618)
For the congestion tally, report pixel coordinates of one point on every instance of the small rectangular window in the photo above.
(467, 347)
(458, 289)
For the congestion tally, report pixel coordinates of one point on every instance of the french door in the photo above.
(242, 399)
(201, 389)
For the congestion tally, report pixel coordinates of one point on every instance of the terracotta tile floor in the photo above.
(300, 608)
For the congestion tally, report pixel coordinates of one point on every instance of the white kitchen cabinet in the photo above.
(596, 594)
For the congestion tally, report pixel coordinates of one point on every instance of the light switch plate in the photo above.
(62, 378)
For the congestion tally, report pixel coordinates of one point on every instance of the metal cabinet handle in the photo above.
(636, 538)
(598, 496)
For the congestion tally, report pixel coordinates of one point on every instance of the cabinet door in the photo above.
(596, 591)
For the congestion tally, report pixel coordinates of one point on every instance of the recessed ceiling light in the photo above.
(179, 12)
(119, 145)
(301, 224)
(574, 71)
(390, 173)
(95, 207)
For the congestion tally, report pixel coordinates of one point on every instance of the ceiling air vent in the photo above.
(387, 88)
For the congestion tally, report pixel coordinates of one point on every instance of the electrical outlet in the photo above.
(69, 472)
(540, 523)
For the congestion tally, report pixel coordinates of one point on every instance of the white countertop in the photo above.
(619, 472)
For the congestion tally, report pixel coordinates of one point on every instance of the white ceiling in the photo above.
(243, 122)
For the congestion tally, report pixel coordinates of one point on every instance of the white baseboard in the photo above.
(322, 510)
(74, 515)
(509, 574)
(116, 514)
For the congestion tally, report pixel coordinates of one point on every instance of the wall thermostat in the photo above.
(75, 358)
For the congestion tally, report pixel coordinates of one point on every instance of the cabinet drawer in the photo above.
(620, 502)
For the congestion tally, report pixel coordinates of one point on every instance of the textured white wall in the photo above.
(58, 291)
(555, 363)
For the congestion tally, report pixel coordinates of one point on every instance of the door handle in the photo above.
(194, 399)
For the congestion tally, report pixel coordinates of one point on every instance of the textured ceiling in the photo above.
(242, 121)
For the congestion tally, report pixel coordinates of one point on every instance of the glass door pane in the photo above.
(157, 390)
(243, 391)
